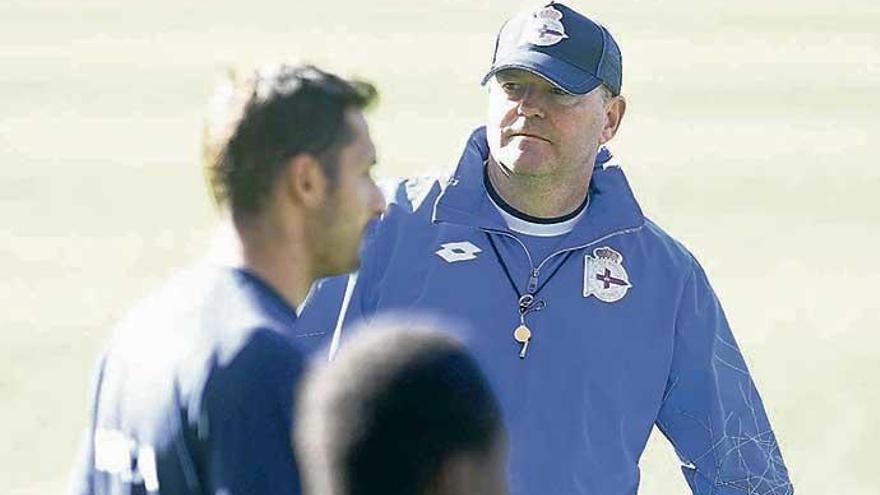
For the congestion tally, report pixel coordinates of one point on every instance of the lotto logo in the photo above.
(457, 251)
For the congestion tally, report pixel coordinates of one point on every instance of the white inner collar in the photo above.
(539, 229)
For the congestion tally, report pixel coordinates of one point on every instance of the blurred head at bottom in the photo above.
(401, 410)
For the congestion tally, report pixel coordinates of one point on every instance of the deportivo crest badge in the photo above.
(604, 275)
(544, 28)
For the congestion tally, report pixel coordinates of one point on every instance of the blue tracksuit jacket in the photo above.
(628, 334)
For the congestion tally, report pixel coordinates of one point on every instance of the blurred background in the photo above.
(750, 134)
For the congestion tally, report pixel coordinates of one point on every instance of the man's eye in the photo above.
(510, 86)
(563, 97)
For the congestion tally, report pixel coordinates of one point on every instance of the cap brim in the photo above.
(558, 72)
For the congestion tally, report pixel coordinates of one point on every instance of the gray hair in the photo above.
(605, 93)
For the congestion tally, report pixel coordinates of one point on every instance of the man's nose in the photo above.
(531, 104)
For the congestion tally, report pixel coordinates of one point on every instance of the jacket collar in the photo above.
(464, 201)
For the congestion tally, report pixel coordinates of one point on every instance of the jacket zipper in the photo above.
(535, 271)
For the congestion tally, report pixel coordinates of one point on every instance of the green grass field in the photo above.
(750, 135)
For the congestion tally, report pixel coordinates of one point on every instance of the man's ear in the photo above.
(305, 181)
(614, 111)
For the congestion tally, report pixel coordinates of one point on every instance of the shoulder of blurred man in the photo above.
(211, 348)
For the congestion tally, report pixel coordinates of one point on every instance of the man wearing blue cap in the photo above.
(591, 323)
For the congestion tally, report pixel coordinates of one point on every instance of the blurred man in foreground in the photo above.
(193, 394)
(400, 411)
(592, 323)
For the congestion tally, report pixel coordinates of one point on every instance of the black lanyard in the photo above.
(522, 297)
(526, 301)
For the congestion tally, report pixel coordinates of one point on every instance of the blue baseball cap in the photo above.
(562, 46)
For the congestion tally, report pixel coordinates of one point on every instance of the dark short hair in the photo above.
(278, 112)
(391, 407)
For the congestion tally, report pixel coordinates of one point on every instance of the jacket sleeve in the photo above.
(81, 482)
(711, 412)
(335, 305)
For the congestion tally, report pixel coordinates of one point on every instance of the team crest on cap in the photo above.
(604, 275)
(544, 28)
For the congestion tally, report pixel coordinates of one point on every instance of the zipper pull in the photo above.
(533, 282)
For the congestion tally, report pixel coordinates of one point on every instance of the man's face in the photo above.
(537, 129)
(351, 203)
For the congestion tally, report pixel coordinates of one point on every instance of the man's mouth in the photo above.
(528, 135)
